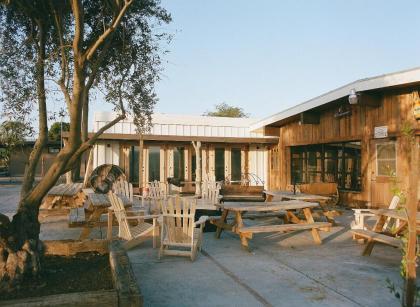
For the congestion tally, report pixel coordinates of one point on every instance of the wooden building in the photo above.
(228, 149)
(355, 135)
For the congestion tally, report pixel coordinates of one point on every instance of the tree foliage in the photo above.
(225, 110)
(12, 136)
(54, 133)
(57, 53)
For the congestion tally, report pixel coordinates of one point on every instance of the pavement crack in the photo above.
(229, 273)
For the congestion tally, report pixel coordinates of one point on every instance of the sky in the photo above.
(265, 56)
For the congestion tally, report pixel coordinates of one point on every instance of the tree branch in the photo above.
(89, 143)
(77, 9)
(64, 62)
(115, 23)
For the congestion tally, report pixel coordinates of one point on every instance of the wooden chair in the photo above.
(157, 190)
(134, 235)
(360, 214)
(123, 187)
(179, 235)
(211, 190)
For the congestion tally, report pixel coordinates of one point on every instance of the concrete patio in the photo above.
(281, 270)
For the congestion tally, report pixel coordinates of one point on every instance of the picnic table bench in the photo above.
(380, 233)
(292, 221)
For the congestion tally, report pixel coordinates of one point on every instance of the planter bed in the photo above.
(85, 279)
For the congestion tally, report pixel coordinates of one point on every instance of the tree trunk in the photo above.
(19, 239)
(34, 157)
(410, 288)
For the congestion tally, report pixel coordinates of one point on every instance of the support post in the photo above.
(141, 159)
(410, 288)
(197, 147)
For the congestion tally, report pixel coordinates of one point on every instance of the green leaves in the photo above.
(225, 110)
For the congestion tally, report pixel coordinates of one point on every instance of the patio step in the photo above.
(77, 217)
(377, 237)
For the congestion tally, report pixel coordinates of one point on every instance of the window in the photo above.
(134, 164)
(219, 163)
(236, 164)
(154, 163)
(386, 163)
(179, 163)
(340, 163)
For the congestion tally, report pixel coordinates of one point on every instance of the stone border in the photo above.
(123, 276)
(125, 293)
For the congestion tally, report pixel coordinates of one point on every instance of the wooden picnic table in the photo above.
(66, 194)
(291, 221)
(96, 205)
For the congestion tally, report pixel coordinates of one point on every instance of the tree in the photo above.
(54, 134)
(225, 110)
(71, 46)
(12, 136)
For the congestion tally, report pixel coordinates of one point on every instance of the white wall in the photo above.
(106, 153)
(258, 162)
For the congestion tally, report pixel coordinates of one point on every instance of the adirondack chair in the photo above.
(122, 187)
(211, 190)
(134, 235)
(360, 214)
(179, 235)
(157, 190)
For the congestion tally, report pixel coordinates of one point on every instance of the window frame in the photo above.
(377, 160)
(340, 172)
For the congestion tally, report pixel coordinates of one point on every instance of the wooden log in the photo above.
(123, 276)
(73, 247)
(91, 298)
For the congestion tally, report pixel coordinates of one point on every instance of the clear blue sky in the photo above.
(265, 56)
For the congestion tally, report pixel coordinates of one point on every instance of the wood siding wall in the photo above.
(394, 110)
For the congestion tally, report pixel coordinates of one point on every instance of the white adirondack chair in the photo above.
(134, 235)
(179, 235)
(211, 191)
(360, 214)
(122, 187)
(157, 190)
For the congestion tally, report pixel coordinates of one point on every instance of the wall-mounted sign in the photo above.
(416, 109)
(381, 132)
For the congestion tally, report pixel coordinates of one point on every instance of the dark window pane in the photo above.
(219, 164)
(236, 164)
(179, 163)
(154, 163)
(134, 164)
(193, 165)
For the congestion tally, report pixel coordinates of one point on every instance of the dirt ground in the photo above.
(84, 272)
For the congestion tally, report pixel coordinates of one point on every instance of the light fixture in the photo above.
(353, 97)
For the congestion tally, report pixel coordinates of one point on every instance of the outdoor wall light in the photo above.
(353, 97)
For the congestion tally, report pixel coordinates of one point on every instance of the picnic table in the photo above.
(64, 195)
(380, 232)
(291, 221)
(96, 205)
